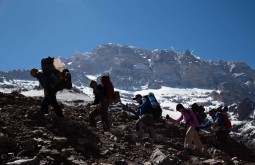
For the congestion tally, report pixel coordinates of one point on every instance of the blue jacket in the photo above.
(216, 118)
(142, 107)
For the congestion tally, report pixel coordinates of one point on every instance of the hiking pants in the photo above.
(222, 138)
(103, 112)
(146, 121)
(192, 135)
(51, 100)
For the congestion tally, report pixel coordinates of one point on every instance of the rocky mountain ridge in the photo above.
(132, 68)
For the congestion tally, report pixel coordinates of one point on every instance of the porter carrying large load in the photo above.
(58, 78)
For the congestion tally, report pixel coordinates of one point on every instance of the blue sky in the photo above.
(212, 29)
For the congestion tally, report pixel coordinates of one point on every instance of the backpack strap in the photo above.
(191, 119)
(148, 108)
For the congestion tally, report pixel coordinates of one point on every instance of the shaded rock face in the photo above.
(245, 107)
(34, 138)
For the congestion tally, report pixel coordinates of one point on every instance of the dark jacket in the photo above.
(42, 79)
(99, 94)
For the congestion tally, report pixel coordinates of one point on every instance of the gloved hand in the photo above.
(197, 129)
(33, 72)
(167, 117)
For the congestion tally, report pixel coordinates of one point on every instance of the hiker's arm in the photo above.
(95, 102)
(42, 79)
(207, 125)
(101, 94)
(218, 120)
(136, 113)
(142, 107)
(177, 120)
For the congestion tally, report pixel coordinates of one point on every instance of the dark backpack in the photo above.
(199, 111)
(154, 106)
(226, 122)
(56, 80)
(108, 87)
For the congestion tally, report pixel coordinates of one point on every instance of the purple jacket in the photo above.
(189, 118)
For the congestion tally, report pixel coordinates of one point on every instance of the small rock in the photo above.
(33, 161)
(212, 162)
(3, 139)
(82, 141)
(28, 146)
(105, 152)
(59, 142)
(73, 161)
(8, 130)
(147, 145)
(38, 132)
(120, 162)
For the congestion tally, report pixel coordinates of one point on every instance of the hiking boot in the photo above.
(188, 150)
(60, 115)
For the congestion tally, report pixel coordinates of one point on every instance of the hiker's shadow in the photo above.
(79, 136)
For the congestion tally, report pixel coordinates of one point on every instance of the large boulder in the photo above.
(245, 107)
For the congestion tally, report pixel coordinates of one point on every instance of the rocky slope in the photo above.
(29, 137)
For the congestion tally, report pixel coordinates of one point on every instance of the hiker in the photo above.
(146, 119)
(101, 106)
(49, 94)
(192, 126)
(223, 110)
(227, 123)
(217, 126)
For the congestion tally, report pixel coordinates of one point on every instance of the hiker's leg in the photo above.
(197, 142)
(152, 133)
(104, 118)
(223, 140)
(45, 105)
(139, 128)
(54, 103)
(189, 137)
(94, 113)
(148, 122)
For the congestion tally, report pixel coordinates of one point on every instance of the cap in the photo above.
(92, 82)
(225, 109)
(136, 96)
(179, 106)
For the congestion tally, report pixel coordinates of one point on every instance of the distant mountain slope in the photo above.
(131, 68)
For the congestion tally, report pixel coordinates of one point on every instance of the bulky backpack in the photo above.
(108, 87)
(154, 106)
(199, 111)
(56, 80)
(226, 122)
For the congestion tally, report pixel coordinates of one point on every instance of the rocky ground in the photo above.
(30, 137)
